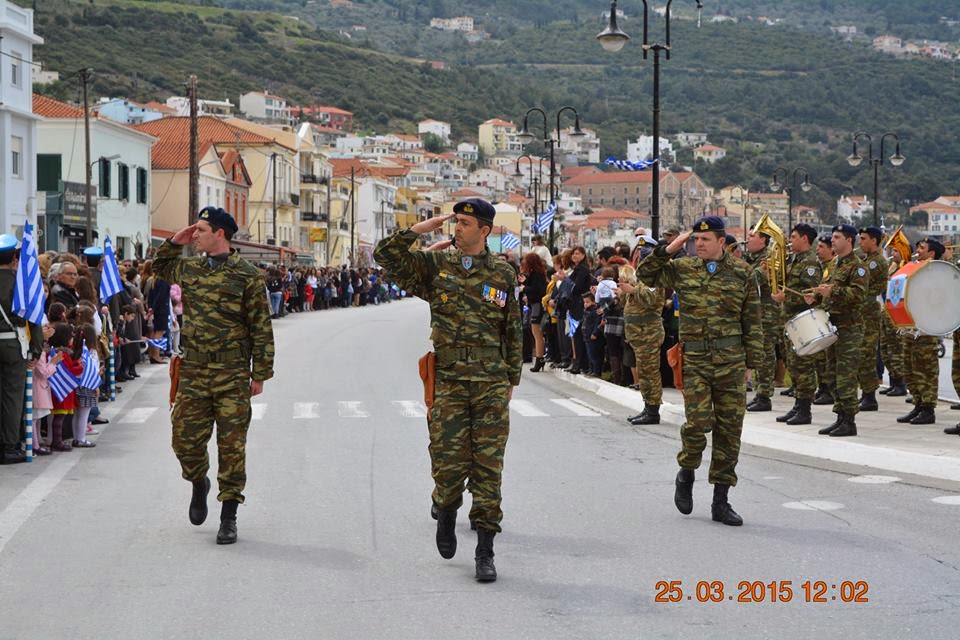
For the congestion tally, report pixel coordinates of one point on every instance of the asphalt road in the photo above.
(336, 539)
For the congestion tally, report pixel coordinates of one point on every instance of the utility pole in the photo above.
(194, 160)
(353, 219)
(88, 201)
(329, 216)
(273, 171)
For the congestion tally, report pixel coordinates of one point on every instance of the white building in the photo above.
(126, 111)
(222, 108)
(121, 178)
(690, 139)
(853, 208)
(18, 124)
(264, 106)
(437, 128)
(709, 153)
(460, 23)
(468, 152)
(578, 150)
(350, 145)
(642, 149)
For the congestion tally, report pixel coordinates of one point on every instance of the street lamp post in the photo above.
(534, 187)
(789, 188)
(612, 39)
(855, 159)
(526, 137)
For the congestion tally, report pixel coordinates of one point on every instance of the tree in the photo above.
(433, 143)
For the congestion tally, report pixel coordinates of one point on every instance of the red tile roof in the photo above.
(50, 108)
(172, 150)
(497, 122)
(159, 106)
(610, 177)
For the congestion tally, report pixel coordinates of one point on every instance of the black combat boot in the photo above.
(447, 533)
(803, 415)
(926, 415)
(955, 407)
(953, 431)
(642, 414)
(847, 427)
(789, 392)
(198, 503)
(910, 416)
(11, 454)
(538, 366)
(823, 396)
(869, 402)
(721, 509)
(650, 415)
(791, 413)
(486, 571)
(683, 496)
(760, 403)
(898, 388)
(434, 511)
(836, 425)
(228, 522)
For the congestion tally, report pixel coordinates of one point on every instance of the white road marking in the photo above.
(411, 408)
(351, 409)
(23, 506)
(590, 406)
(773, 477)
(527, 409)
(813, 505)
(951, 500)
(575, 407)
(137, 416)
(258, 409)
(305, 410)
(872, 479)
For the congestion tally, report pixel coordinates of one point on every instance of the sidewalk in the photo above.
(882, 443)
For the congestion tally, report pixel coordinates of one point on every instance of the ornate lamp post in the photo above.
(789, 188)
(855, 159)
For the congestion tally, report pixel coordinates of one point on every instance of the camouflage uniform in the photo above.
(877, 274)
(476, 333)
(772, 326)
(803, 272)
(13, 366)
(722, 335)
(643, 329)
(227, 341)
(891, 347)
(922, 365)
(849, 279)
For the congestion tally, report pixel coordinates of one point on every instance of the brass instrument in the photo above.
(776, 255)
(898, 242)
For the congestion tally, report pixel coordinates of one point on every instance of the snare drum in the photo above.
(925, 296)
(810, 332)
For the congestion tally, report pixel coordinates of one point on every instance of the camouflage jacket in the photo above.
(849, 279)
(474, 312)
(803, 272)
(8, 278)
(878, 275)
(226, 315)
(713, 306)
(645, 301)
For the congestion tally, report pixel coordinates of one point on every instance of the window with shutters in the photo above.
(49, 171)
(141, 186)
(123, 180)
(16, 156)
(105, 176)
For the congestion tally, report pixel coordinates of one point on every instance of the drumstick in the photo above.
(795, 292)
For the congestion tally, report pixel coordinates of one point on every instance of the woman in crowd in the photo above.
(533, 278)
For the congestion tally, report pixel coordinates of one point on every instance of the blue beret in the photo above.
(730, 240)
(846, 229)
(8, 242)
(218, 219)
(873, 232)
(827, 240)
(709, 223)
(476, 207)
(93, 252)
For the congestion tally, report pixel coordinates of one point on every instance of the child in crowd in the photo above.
(130, 348)
(43, 368)
(607, 287)
(62, 343)
(592, 332)
(85, 336)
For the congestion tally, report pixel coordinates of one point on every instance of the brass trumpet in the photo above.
(777, 253)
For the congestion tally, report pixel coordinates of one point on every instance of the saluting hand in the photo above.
(678, 242)
(432, 224)
(184, 236)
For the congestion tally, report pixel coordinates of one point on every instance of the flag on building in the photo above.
(110, 283)
(29, 300)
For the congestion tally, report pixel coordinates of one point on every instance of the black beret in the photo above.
(805, 229)
(873, 232)
(731, 240)
(846, 229)
(709, 223)
(218, 219)
(478, 208)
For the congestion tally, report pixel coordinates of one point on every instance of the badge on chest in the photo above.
(496, 296)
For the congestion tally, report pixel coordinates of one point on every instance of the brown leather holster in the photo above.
(428, 373)
(675, 360)
(174, 378)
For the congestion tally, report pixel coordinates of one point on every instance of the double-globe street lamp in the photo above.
(612, 39)
(526, 137)
(534, 187)
(855, 159)
(790, 187)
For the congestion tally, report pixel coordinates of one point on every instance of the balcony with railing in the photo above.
(313, 216)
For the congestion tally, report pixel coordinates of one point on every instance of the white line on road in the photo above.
(411, 408)
(258, 409)
(351, 409)
(576, 408)
(305, 410)
(526, 409)
(590, 406)
(138, 415)
(23, 506)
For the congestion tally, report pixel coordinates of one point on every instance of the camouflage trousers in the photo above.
(867, 374)
(955, 367)
(803, 373)
(843, 361)
(204, 397)
(767, 368)
(891, 347)
(922, 368)
(645, 338)
(469, 425)
(825, 375)
(714, 396)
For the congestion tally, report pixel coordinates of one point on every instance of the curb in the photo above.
(943, 467)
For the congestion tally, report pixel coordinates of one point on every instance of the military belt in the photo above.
(646, 317)
(223, 356)
(449, 355)
(712, 345)
(8, 335)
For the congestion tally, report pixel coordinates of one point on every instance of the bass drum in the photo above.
(810, 332)
(925, 296)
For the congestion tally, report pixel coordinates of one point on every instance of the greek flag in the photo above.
(546, 218)
(29, 300)
(572, 325)
(90, 378)
(508, 241)
(626, 165)
(110, 282)
(159, 343)
(62, 382)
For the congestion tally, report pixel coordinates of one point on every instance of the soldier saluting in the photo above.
(228, 348)
(476, 334)
(722, 336)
